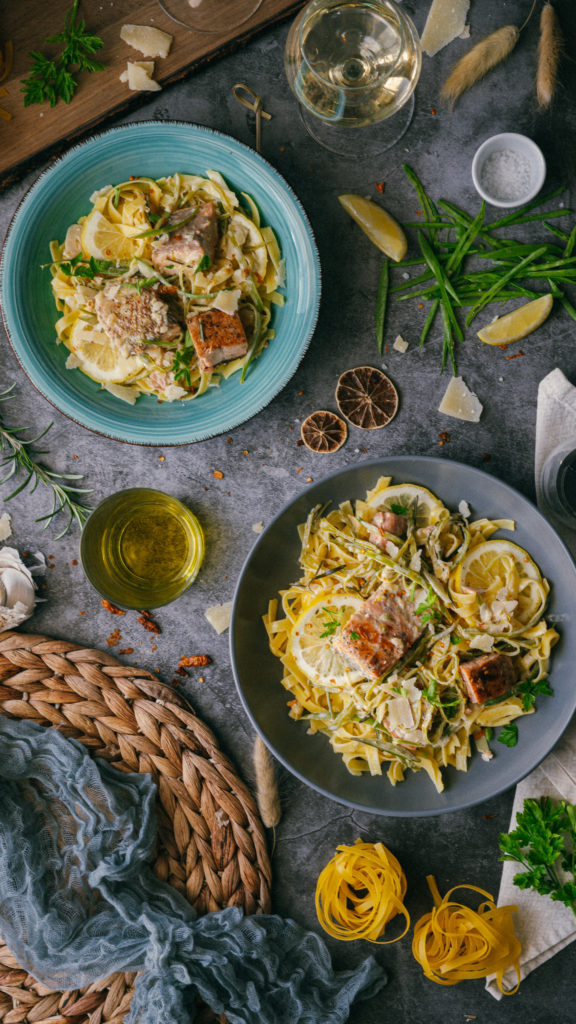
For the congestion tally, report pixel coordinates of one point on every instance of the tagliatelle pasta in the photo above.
(153, 267)
(403, 648)
(454, 943)
(360, 891)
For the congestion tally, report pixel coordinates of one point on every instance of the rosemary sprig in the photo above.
(21, 456)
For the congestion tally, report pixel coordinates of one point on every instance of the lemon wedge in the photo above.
(311, 643)
(518, 323)
(99, 359)
(105, 240)
(406, 497)
(378, 224)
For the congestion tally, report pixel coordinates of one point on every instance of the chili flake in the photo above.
(219, 475)
(194, 661)
(444, 437)
(112, 608)
(516, 355)
(146, 620)
(380, 186)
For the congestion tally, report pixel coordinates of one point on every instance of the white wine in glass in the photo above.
(353, 65)
(209, 16)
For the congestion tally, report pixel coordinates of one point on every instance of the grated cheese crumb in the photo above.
(399, 344)
(257, 527)
(464, 509)
(482, 642)
(219, 616)
(392, 549)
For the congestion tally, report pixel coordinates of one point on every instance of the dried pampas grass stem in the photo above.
(549, 51)
(489, 52)
(266, 786)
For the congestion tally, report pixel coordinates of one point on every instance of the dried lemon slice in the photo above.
(378, 224)
(518, 323)
(323, 431)
(367, 397)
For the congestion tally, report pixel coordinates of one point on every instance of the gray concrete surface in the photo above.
(460, 847)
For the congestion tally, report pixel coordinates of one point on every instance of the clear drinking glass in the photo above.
(353, 65)
(209, 16)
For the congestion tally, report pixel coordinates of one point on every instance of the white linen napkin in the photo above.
(543, 926)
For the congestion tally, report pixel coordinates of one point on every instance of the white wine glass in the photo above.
(353, 65)
(210, 16)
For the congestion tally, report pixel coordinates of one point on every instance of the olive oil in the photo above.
(141, 548)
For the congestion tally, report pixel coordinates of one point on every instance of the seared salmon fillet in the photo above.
(488, 677)
(380, 632)
(197, 238)
(387, 522)
(133, 318)
(217, 337)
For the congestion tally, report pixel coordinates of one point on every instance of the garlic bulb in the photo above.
(17, 590)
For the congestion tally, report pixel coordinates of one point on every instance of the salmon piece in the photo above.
(387, 522)
(488, 676)
(380, 632)
(197, 238)
(133, 318)
(218, 337)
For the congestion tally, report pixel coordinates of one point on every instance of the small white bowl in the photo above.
(508, 170)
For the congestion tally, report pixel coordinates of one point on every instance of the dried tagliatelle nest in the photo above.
(367, 397)
(323, 431)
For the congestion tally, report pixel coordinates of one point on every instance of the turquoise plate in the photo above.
(61, 195)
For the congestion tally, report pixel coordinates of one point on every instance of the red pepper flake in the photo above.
(82, 613)
(308, 479)
(364, 451)
(114, 639)
(486, 457)
(299, 443)
(75, 456)
(112, 608)
(126, 650)
(218, 474)
(433, 112)
(132, 178)
(418, 213)
(161, 458)
(488, 817)
(200, 679)
(386, 348)
(282, 149)
(193, 660)
(516, 355)
(290, 427)
(245, 452)
(74, 561)
(146, 620)
(229, 441)
(154, 647)
(380, 186)
(420, 305)
(444, 437)
(300, 470)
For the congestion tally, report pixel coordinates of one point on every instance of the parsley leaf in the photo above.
(50, 80)
(399, 510)
(509, 735)
(544, 838)
(428, 609)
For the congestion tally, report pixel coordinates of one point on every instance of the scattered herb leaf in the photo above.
(52, 79)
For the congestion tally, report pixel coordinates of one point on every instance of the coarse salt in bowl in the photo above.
(508, 169)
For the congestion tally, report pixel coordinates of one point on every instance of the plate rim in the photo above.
(198, 130)
(357, 805)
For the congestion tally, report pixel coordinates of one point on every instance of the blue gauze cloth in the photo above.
(78, 901)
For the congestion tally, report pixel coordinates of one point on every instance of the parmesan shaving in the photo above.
(138, 75)
(258, 527)
(460, 402)
(400, 344)
(446, 21)
(392, 549)
(464, 509)
(151, 42)
(121, 391)
(227, 302)
(5, 526)
(219, 616)
(482, 642)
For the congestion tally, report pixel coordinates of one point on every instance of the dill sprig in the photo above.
(52, 79)
(22, 457)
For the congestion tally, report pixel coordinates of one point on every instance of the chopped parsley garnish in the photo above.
(355, 636)
(90, 268)
(509, 735)
(330, 624)
(428, 609)
(204, 264)
(399, 510)
(531, 689)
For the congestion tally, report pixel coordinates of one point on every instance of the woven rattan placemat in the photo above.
(211, 841)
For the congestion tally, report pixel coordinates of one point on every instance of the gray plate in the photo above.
(273, 564)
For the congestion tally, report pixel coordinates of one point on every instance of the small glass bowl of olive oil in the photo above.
(141, 548)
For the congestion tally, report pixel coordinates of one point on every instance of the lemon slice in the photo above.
(107, 241)
(311, 643)
(497, 571)
(99, 359)
(518, 323)
(378, 224)
(426, 505)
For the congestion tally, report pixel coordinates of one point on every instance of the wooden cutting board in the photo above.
(39, 130)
